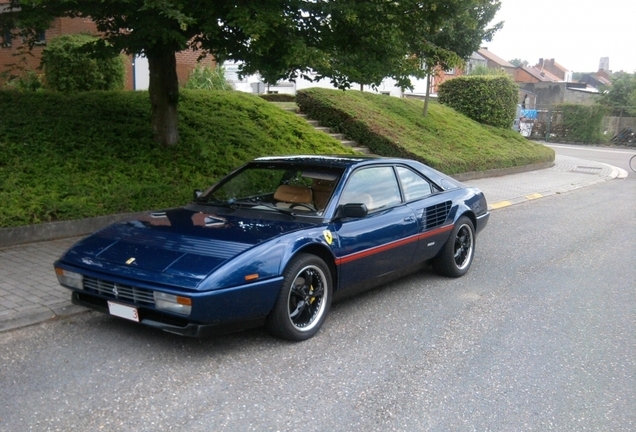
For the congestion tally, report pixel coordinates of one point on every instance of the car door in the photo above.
(431, 209)
(382, 242)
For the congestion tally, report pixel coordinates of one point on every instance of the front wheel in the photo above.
(632, 163)
(304, 299)
(457, 255)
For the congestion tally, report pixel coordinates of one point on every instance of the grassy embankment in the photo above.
(445, 139)
(70, 157)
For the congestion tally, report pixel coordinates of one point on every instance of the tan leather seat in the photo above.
(322, 192)
(293, 194)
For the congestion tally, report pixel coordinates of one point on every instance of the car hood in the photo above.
(174, 247)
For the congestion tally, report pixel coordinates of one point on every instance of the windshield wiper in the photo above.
(268, 206)
(215, 202)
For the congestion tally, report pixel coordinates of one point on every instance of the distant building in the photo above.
(596, 80)
(554, 68)
(495, 62)
(603, 64)
(530, 74)
(137, 74)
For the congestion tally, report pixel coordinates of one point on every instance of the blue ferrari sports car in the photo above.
(275, 242)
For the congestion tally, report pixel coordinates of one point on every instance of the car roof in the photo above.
(341, 161)
(348, 162)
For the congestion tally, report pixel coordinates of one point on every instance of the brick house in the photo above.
(473, 62)
(555, 69)
(136, 66)
(495, 62)
(529, 74)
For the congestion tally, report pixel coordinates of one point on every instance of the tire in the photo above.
(632, 163)
(301, 307)
(458, 252)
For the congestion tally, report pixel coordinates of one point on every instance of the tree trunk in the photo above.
(428, 93)
(164, 95)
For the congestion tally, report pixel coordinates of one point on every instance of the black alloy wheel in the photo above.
(458, 252)
(304, 300)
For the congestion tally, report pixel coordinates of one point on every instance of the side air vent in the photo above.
(436, 215)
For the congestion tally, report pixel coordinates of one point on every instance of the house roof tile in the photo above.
(492, 57)
(543, 76)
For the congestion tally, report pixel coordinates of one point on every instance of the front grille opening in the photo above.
(116, 291)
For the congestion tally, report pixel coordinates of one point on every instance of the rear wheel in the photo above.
(304, 299)
(457, 254)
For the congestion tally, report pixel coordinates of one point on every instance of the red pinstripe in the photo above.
(392, 245)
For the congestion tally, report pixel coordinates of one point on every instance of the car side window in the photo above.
(414, 186)
(376, 187)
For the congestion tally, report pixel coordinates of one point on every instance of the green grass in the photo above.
(445, 139)
(90, 154)
(65, 157)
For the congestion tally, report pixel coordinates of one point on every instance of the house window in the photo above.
(450, 71)
(41, 39)
(6, 38)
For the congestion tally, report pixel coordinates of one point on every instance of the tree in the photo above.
(621, 94)
(482, 69)
(345, 40)
(447, 38)
(518, 62)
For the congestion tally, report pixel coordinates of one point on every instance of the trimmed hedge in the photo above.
(490, 100)
(69, 68)
(279, 97)
(582, 123)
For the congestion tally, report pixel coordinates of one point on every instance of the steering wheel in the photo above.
(307, 206)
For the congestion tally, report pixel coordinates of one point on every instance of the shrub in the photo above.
(31, 81)
(488, 99)
(582, 123)
(208, 78)
(70, 67)
(279, 97)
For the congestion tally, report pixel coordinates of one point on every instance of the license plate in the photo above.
(123, 311)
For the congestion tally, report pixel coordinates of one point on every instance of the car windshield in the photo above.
(293, 189)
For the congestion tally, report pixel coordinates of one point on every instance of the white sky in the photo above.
(576, 33)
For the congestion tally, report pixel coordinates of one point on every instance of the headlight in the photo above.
(69, 278)
(173, 303)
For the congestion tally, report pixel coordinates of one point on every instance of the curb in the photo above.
(15, 236)
(41, 314)
(616, 173)
(476, 175)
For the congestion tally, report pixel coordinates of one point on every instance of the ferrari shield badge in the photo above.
(328, 236)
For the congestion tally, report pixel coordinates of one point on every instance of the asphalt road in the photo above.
(538, 336)
(618, 157)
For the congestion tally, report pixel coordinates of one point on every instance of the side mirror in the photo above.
(352, 210)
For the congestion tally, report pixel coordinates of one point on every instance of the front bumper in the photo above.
(216, 311)
(482, 221)
(166, 322)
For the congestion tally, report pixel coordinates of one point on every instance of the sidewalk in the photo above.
(30, 293)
